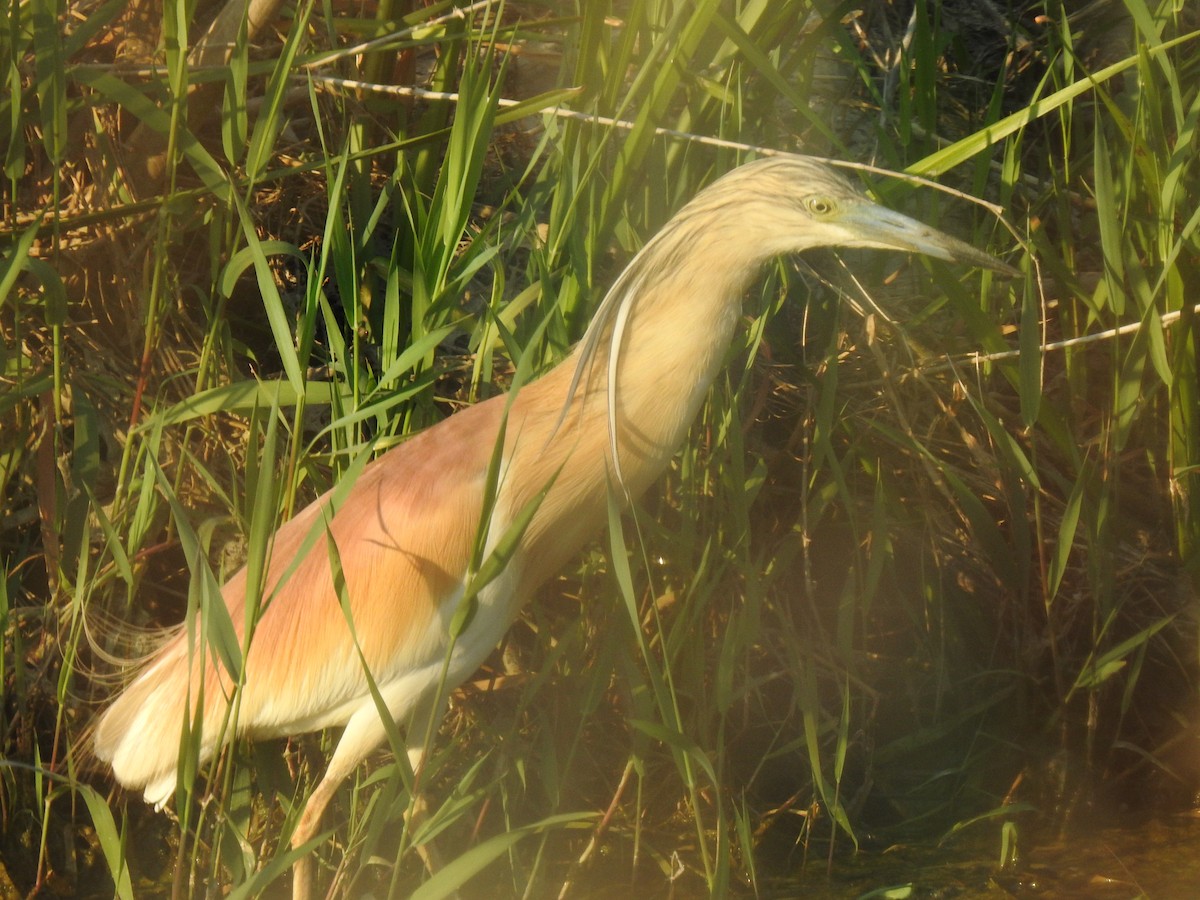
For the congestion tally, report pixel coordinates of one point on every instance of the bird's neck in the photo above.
(674, 342)
(670, 350)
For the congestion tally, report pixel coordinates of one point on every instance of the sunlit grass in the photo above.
(888, 587)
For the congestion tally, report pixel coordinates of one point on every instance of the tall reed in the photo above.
(932, 536)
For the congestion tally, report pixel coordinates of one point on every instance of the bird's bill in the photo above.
(886, 229)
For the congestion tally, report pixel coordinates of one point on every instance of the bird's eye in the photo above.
(819, 206)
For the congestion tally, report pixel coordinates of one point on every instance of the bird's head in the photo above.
(790, 204)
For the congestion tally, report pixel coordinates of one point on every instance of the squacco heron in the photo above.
(612, 413)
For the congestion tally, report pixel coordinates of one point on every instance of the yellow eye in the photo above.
(820, 206)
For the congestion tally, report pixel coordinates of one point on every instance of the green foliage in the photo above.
(880, 587)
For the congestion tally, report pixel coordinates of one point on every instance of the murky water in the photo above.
(1157, 859)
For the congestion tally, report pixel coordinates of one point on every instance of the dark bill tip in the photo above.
(885, 228)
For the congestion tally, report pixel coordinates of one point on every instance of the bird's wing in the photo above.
(404, 535)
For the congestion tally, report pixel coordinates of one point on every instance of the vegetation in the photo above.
(927, 566)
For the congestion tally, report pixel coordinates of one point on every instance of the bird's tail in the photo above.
(145, 731)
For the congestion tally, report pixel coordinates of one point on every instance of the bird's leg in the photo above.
(423, 724)
(363, 733)
(418, 807)
(310, 822)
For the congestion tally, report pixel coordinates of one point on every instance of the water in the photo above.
(1157, 859)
